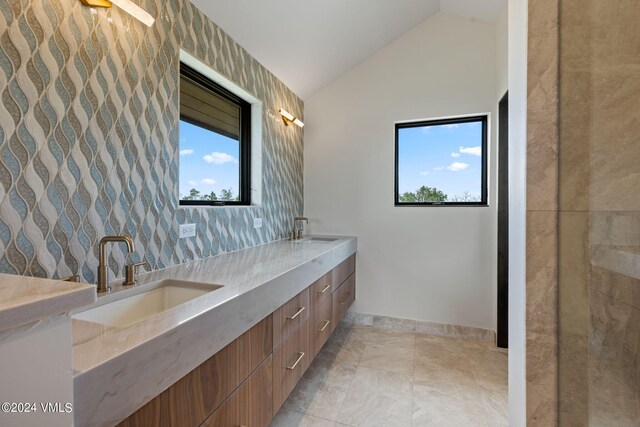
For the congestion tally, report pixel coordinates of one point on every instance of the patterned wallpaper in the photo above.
(89, 138)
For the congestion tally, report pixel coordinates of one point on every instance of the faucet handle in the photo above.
(130, 273)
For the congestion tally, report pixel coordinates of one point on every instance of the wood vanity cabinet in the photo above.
(246, 383)
(195, 396)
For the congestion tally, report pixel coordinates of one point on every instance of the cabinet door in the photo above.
(227, 415)
(290, 360)
(320, 290)
(342, 299)
(343, 271)
(250, 405)
(256, 397)
(289, 316)
(322, 325)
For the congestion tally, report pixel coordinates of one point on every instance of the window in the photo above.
(215, 132)
(442, 162)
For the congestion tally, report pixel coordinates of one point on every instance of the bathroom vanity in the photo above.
(228, 356)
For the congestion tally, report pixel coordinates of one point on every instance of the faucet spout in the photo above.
(103, 281)
(297, 234)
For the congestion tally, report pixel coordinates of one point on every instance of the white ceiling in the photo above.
(308, 44)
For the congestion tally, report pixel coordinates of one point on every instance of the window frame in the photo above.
(245, 138)
(484, 197)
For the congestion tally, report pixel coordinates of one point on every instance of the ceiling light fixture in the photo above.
(289, 118)
(127, 5)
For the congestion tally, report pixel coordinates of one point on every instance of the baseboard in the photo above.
(431, 328)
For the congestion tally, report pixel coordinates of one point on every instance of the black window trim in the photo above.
(484, 119)
(245, 138)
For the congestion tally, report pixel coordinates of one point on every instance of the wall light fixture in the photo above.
(289, 118)
(127, 5)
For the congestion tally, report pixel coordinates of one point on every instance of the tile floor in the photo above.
(383, 377)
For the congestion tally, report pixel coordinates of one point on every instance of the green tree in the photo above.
(211, 196)
(408, 197)
(226, 195)
(465, 197)
(430, 194)
(193, 195)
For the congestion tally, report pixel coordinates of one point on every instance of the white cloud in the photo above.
(186, 152)
(192, 183)
(424, 173)
(457, 166)
(218, 158)
(452, 126)
(474, 151)
(455, 155)
(209, 181)
(439, 168)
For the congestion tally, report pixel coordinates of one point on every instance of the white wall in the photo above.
(432, 263)
(518, 22)
(502, 53)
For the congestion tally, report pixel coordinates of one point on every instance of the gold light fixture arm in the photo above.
(96, 3)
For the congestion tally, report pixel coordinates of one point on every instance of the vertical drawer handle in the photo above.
(300, 310)
(300, 356)
(326, 288)
(326, 323)
(346, 298)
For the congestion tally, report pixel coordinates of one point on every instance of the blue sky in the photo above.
(448, 157)
(208, 161)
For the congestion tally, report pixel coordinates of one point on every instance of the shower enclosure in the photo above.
(599, 218)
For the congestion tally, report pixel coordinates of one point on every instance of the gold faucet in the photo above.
(103, 280)
(297, 234)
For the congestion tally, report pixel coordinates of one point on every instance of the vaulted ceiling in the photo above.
(308, 44)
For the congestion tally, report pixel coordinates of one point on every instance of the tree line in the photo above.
(226, 195)
(432, 194)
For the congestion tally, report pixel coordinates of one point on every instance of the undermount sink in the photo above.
(164, 295)
(317, 239)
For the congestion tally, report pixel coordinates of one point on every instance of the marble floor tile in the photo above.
(377, 399)
(348, 352)
(322, 389)
(393, 356)
(433, 408)
(286, 418)
(385, 377)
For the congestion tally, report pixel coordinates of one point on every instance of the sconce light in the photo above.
(127, 5)
(289, 118)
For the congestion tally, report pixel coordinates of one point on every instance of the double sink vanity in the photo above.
(218, 342)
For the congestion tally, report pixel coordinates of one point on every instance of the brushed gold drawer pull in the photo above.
(326, 323)
(300, 310)
(346, 298)
(326, 288)
(300, 356)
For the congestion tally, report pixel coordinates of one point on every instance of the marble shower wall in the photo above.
(599, 278)
(542, 215)
(89, 138)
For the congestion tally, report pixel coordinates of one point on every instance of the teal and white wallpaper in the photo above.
(89, 138)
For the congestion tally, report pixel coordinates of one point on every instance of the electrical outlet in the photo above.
(257, 222)
(186, 230)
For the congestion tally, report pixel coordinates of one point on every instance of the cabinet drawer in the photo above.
(320, 290)
(250, 405)
(343, 271)
(342, 299)
(290, 360)
(322, 325)
(290, 316)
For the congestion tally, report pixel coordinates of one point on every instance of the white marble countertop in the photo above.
(25, 300)
(118, 370)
